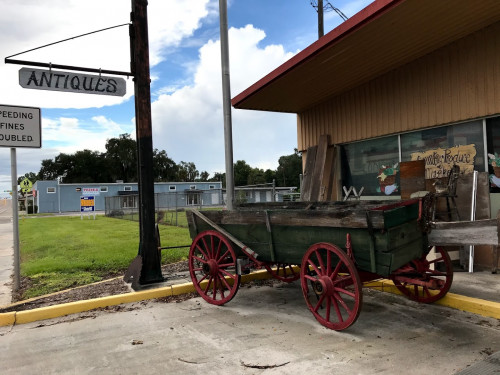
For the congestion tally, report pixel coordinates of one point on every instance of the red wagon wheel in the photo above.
(212, 265)
(331, 286)
(423, 280)
(283, 271)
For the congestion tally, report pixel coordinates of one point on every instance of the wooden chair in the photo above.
(449, 193)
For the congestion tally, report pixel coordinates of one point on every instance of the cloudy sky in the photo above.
(186, 89)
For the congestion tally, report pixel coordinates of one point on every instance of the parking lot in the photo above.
(263, 329)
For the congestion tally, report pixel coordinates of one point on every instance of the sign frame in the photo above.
(20, 126)
(58, 80)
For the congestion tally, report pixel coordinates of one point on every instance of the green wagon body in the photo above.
(383, 237)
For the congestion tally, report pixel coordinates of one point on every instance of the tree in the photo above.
(269, 175)
(204, 176)
(289, 169)
(219, 177)
(121, 155)
(187, 172)
(48, 171)
(86, 167)
(241, 173)
(256, 176)
(164, 168)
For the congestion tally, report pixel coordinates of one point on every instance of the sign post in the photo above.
(19, 127)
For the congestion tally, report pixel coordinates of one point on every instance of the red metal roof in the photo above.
(383, 36)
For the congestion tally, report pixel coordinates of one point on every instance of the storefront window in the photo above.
(493, 136)
(373, 165)
(445, 146)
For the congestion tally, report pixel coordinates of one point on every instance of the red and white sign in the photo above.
(90, 191)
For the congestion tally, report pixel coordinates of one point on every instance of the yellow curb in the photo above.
(24, 301)
(7, 319)
(473, 305)
(56, 311)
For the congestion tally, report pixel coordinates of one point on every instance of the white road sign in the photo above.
(20, 127)
(52, 80)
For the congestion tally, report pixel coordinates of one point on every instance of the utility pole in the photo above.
(148, 251)
(226, 104)
(321, 29)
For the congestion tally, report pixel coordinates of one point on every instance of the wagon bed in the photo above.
(332, 247)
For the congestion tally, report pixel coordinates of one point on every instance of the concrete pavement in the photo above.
(263, 330)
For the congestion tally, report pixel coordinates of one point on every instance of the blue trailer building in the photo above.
(52, 196)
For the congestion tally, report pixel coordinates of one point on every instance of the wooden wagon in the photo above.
(331, 247)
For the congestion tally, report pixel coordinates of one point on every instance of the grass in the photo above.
(62, 252)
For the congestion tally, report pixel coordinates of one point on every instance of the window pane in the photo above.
(445, 146)
(372, 164)
(493, 136)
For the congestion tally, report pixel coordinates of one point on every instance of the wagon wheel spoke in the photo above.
(208, 285)
(339, 299)
(202, 251)
(320, 302)
(430, 284)
(283, 271)
(208, 269)
(201, 260)
(336, 271)
(313, 265)
(324, 286)
(345, 291)
(232, 276)
(220, 259)
(337, 310)
(320, 262)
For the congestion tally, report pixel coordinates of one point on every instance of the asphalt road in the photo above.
(262, 326)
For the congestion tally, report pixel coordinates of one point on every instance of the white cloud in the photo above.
(50, 21)
(188, 123)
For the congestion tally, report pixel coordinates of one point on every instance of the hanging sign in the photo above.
(41, 79)
(20, 127)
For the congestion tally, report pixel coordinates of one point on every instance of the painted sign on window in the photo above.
(438, 161)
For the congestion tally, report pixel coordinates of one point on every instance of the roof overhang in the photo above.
(385, 35)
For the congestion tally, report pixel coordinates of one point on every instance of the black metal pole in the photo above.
(151, 264)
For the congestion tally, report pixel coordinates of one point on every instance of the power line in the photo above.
(328, 7)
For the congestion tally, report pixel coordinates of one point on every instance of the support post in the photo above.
(15, 220)
(496, 251)
(151, 265)
(226, 104)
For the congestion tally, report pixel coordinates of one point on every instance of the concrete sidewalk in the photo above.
(6, 252)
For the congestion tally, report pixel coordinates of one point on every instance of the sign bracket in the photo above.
(67, 67)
